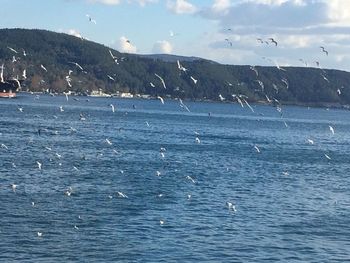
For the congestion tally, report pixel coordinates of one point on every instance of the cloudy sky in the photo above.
(225, 31)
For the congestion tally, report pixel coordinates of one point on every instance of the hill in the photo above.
(58, 62)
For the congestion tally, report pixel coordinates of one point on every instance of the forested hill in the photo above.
(49, 58)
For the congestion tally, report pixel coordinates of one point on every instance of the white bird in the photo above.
(152, 85)
(158, 173)
(331, 129)
(20, 109)
(183, 105)
(161, 99)
(39, 164)
(327, 156)
(61, 109)
(161, 222)
(246, 102)
(194, 80)
(2, 74)
(108, 142)
(39, 234)
(112, 106)
(13, 50)
(147, 124)
(257, 148)
(261, 84)
(24, 74)
(24, 53)
(110, 77)
(77, 65)
(4, 146)
(255, 70)
(198, 140)
(90, 19)
(43, 67)
(324, 77)
(14, 187)
(310, 141)
(231, 206)
(285, 82)
(180, 67)
(122, 195)
(161, 79)
(221, 97)
(191, 179)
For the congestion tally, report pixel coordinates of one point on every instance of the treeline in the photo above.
(58, 62)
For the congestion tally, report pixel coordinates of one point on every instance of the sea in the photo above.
(153, 182)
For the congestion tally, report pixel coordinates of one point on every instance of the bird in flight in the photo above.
(273, 41)
(161, 79)
(90, 19)
(324, 50)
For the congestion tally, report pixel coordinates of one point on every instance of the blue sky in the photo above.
(222, 30)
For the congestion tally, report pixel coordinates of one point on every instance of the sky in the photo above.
(226, 31)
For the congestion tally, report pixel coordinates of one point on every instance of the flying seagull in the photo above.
(273, 41)
(323, 50)
(161, 79)
(91, 20)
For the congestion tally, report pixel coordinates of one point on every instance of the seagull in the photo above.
(323, 50)
(180, 67)
(14, 186)
(273, 41)
(122, 195)
(4, 146)
(152, 85)
(310, 141)
(112, 106)
(110, 77)
(161, 222)
(90, 19)
(76, 64)
(238, 99)
(161, 99)
(198, 140)
(183, 105)
(20, 109)
(161, 79)
(108, 142)
(285, 82)
(158, 173)
(324, 77)
(39, 164)
(13, 50)
(24, 74)
(191, 179)
(246, 102)
(2, 74)
(61, 109)
(194, 80)
(221, 97)
(261, 84)
(42, 66)
(331, 129)
(327, 156)
(257, 148)
(231, 206)
(255, 70)
(39, 234)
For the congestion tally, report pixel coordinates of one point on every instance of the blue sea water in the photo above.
(292, 204)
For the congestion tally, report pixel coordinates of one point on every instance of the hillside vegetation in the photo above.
(196, 79)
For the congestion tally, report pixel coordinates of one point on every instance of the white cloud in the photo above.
(106, 2)
(339, 11)
(125, 45)
(162, 47)
(181, 7)
(221, 6)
